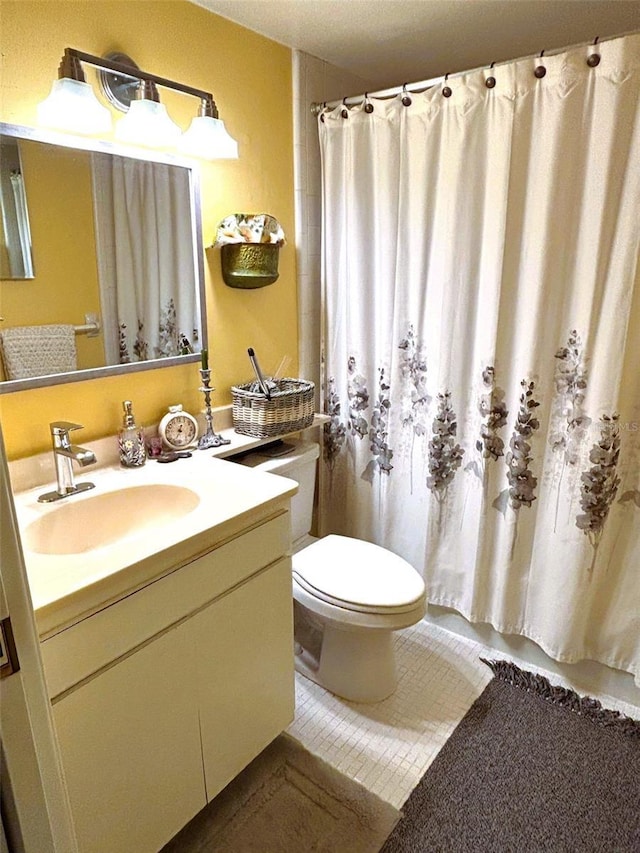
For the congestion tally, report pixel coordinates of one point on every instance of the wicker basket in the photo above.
(289, 409)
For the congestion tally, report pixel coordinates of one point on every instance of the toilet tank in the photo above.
(299, 464)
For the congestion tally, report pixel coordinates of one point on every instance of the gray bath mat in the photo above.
(531, 767)
(289, 801)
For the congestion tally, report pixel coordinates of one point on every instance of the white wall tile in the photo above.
(315, 240)
(314, 81)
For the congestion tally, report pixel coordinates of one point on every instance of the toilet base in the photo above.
(356, 665)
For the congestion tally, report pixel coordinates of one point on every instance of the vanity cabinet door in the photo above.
(131, 752)
(244, 655)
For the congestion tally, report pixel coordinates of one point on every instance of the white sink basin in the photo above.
(136, 526)
(80, 524)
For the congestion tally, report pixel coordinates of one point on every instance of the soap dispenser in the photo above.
(131, 440)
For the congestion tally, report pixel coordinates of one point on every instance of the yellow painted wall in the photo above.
(250, 77)
(65, 287)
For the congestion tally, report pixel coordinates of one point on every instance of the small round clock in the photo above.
(178, 429)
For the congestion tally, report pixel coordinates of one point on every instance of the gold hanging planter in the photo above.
(249, 265)
(250, 244)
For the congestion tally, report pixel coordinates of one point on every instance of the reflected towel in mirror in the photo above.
(38, 350)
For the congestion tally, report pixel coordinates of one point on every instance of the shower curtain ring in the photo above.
(594, 58)
(540, 70)
(406, 100)
(446, 90)
(368, 106)
(490, 82)
(345, 111)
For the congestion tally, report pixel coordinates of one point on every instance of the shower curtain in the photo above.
(482, 342)
(146, 258)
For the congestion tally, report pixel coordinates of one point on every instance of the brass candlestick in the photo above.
(210, 438)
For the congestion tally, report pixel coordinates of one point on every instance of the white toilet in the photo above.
(349, 595)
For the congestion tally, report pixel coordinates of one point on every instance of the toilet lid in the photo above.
(358, 575)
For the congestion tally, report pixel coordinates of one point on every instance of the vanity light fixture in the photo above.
(208, 133)
(147, 121)
(73, 106)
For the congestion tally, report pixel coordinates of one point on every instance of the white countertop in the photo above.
(68, 587)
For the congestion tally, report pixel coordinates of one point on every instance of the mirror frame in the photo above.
(90, 144)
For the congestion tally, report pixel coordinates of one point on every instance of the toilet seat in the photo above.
(358, 576)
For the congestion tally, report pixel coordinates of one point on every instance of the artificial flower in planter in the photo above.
(250, 244)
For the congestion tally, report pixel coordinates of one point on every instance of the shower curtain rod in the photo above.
(422, 85)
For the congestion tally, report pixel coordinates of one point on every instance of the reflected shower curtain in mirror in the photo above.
(22, 224)
(146, 263)
(482, 343)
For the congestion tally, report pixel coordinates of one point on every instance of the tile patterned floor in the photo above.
(388, 746)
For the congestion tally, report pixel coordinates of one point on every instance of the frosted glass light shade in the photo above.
(147, 123)
(207, 137)
(73, 106)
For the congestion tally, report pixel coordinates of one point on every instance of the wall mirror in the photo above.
(114, 281)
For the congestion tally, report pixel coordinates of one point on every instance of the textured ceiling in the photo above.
(388, 42)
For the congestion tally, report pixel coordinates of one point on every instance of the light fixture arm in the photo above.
(72, 106)
(208, 107)
(70, 67)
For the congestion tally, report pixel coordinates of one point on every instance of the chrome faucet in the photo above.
(64, 454)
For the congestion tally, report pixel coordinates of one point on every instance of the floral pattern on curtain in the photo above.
(482, 343)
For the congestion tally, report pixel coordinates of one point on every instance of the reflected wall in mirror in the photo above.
(116, 236)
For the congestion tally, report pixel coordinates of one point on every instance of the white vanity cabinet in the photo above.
(163, 696)
(130, 746)
(244, 658)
